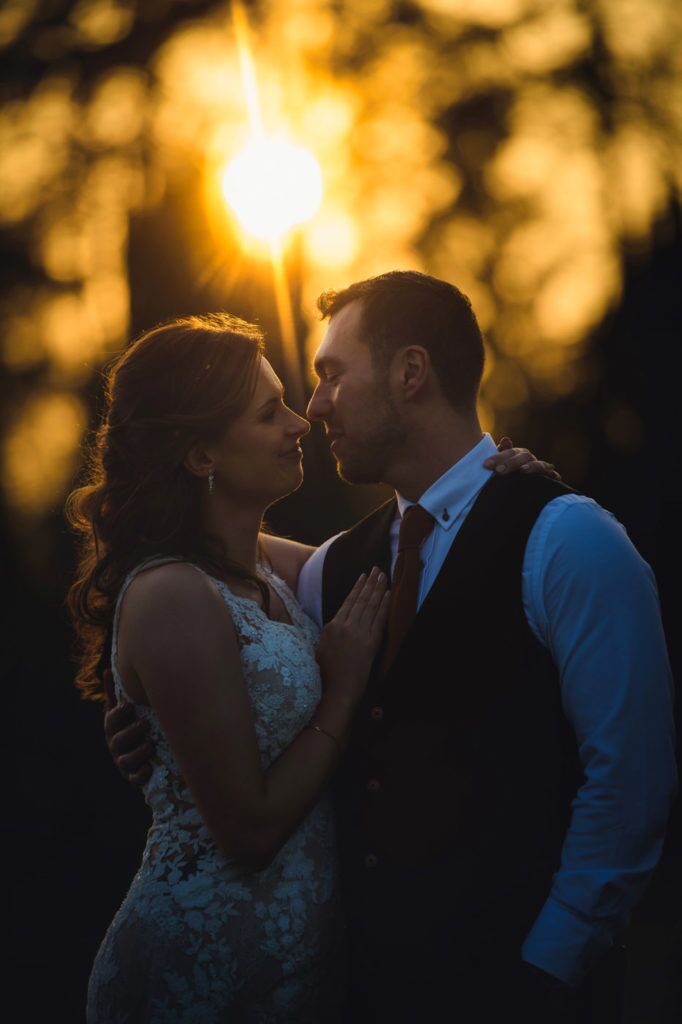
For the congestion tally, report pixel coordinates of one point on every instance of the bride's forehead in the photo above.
(267, 376)
(267, 382)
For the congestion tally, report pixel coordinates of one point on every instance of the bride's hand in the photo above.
(350, 641)
(508, 459)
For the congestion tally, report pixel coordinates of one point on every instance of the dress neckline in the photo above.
(282, 592)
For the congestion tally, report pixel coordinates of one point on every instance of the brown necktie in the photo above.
(415, 527)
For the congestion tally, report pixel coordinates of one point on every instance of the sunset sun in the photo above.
(271, 186)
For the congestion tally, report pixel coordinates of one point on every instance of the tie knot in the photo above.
(416, 525)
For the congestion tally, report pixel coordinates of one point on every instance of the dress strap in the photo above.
(283, 591)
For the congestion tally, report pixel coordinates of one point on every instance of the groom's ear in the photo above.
(412, 368)
(198, 461)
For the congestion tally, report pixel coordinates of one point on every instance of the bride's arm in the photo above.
(287, 557)
(177, 636)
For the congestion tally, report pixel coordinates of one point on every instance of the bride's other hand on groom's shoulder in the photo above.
(509, 459)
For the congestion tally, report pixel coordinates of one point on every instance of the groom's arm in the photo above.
(127, 736)
(592, 600)
(287, 557)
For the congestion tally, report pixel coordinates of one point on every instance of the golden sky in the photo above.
(516, 148)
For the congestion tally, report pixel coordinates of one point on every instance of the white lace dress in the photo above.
(198, 939)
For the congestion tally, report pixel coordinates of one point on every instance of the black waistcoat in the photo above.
(454, 796)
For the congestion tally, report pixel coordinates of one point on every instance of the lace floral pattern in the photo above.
(198, 939)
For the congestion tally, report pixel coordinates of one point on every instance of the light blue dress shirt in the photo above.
(591, 600)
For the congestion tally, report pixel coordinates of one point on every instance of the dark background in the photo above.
(75, 830)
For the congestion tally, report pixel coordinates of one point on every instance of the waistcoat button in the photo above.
(377, 713)
(371, 860)
(373, 786)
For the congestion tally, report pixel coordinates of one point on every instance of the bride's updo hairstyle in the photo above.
(177, 385)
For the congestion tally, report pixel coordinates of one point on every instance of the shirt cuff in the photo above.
(564, 944)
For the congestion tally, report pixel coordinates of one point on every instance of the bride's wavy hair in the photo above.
(177, 385)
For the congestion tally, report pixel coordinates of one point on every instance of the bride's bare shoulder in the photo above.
(172, 589)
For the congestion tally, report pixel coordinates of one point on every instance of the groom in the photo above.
(503, 800)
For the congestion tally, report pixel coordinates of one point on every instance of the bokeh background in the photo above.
(530, 151)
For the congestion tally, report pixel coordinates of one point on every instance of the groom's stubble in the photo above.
(371, 440)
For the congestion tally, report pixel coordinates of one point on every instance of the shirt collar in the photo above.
(448, 497)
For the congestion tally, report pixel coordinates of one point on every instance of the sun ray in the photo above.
(287, 326)
(272, 185)
(240, 24)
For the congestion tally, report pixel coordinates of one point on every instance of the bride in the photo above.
(234, 914)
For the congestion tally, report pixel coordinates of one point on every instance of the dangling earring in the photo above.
(211, 482)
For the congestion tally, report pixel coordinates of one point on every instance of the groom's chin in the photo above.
(352, 473)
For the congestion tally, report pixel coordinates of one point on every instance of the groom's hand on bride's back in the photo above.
(127, 737)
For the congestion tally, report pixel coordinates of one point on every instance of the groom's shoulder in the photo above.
(515, 501)
(519, 486)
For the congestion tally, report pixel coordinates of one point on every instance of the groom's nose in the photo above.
(318, 406)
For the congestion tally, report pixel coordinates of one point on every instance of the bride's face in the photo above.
(258, 458)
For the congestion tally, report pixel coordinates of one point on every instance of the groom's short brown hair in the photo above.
(405, 307)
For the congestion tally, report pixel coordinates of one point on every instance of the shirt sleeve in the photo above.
(592, 601)
(309, 586)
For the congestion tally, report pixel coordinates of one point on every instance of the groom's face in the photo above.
(353, 401)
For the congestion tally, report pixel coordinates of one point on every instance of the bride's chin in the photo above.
(289, 489)
(297, 483)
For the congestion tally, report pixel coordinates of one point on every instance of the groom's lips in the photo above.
(292, 453)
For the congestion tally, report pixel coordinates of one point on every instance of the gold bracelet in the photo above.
(324, 732)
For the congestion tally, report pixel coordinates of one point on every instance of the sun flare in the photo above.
(272, 185)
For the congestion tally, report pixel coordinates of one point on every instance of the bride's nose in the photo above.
(299, 426)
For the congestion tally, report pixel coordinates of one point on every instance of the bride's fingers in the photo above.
(371, 598)
(381, 616)
(511, 459)
(364, 607)
(546, 468)
(519, 457)
(508, 460)
(505, 443)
